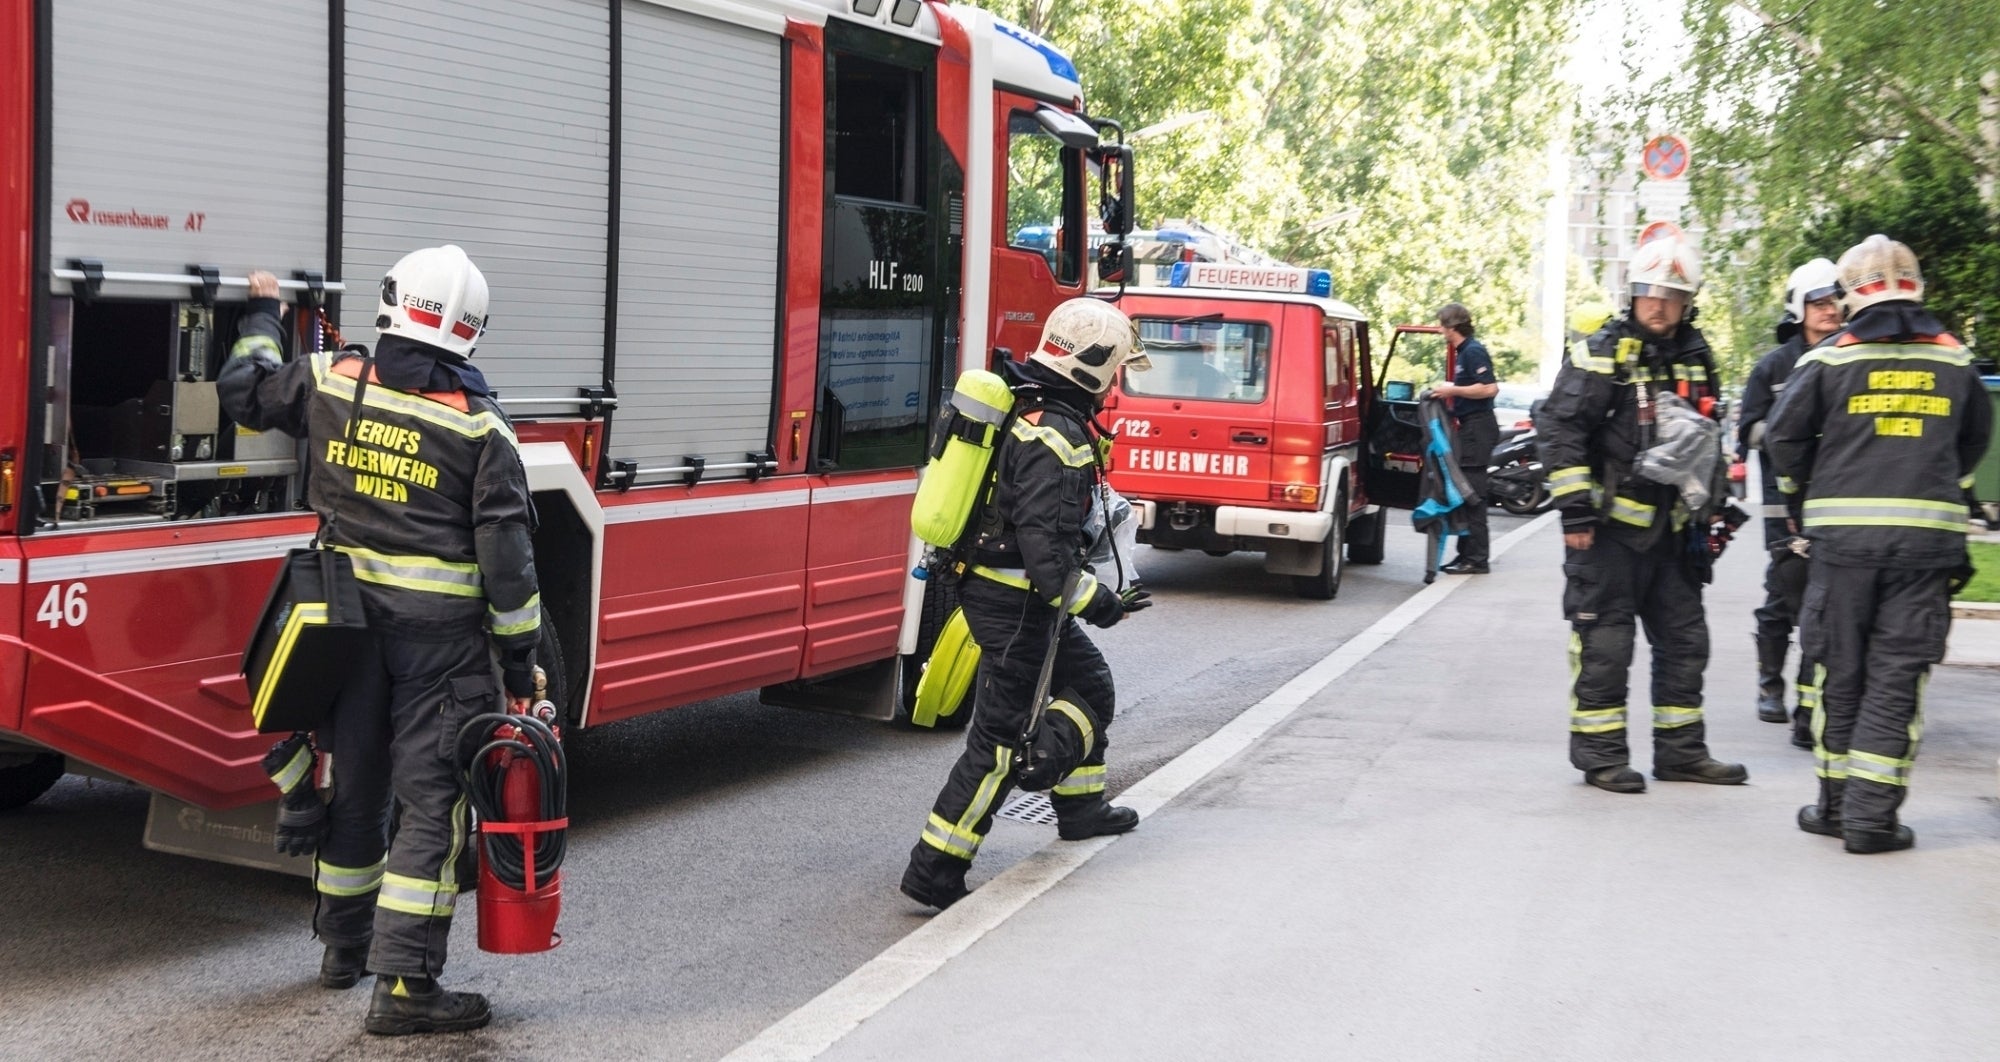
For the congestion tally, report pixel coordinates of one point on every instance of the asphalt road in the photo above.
(729, 862)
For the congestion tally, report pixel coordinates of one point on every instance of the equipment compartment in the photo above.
(134, 431)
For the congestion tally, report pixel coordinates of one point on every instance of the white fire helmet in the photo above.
(1087, 340)
(435, 296)
(1665, 268)
(1816, 280)
(1878, 269)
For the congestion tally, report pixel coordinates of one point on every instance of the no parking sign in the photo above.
(1665, 158)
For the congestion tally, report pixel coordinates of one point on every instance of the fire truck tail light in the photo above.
(6, 481)
(1300, 493)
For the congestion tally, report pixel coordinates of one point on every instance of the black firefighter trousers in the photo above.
(1606, 589)
(1478, 434)
(1012, 629)
(393, 730)
(1874, 633)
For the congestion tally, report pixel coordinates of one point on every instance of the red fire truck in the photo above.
(1265, 424)
(738, 250)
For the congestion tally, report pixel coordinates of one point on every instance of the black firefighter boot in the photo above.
(342, 967)
(1823, 818)
(1771, 679)
(1707, 769)
(405, 1005)
(1094, 820)
(935, 879)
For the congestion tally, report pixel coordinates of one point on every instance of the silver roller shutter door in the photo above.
(486, 125)
(698, 241)
(176, 139)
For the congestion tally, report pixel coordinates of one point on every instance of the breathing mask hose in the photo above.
(501, 739)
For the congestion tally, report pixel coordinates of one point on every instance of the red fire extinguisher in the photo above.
(517, 779)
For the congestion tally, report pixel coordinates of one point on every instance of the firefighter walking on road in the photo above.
(1628, 553)
(1876, 440)
(1026, 561)
(1812, 313)
(422, 487)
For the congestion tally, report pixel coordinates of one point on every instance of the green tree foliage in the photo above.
(1817, 122)
(1400, 143)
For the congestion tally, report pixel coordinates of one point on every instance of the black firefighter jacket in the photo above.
(1590, 428)
(1761, 392)
(1878, 434)
(428, 497)
(1047, 477)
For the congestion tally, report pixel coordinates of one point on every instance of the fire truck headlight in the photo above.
(867, 8)
(905, 12)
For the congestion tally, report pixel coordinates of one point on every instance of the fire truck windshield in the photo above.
(1229, 361)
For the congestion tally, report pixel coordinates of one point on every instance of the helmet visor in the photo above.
(1816, 294)
(1660, 291)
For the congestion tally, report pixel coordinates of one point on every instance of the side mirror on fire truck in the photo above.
(1114, 189)
(1114, 263)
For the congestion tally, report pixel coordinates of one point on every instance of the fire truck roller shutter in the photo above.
(699, 238)
(486, 124)
(148, 169)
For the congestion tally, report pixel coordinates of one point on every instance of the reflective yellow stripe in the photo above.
(1886, 352)
(413, 896)
(1569, 480)
(1581, 357)
(1787, 485)
(1082, 782)
(1082, 721)
(1966, 483)
(1596, 720)
(1069, 454)
(471, 425)
(294, 769)
(1086, 589)
(1666, 717)
(1884, 769)
(1885, 512)
(517, 620)
(958, 839)
(461, 823)
(1625, 510)
(256, 344)
(949, 839)
(348, 881)
(1691, 373)
(1013, 577)
(1825, 764)
(303, 615)
(457, 578)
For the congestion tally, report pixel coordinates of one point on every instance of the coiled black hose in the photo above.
(538, 744)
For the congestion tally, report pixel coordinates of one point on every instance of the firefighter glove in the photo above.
(519, 683)
(1134, 599)
(302, 822)
(1959, 577)
(1105, 609)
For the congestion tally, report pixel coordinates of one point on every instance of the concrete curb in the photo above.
(1975, 610)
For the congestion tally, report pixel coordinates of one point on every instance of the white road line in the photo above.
(820, 1023)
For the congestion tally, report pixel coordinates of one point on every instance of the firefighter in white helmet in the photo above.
(1027, 560)
(1627, 539)
(1875, 441)
(1812, 314)
(416, 477)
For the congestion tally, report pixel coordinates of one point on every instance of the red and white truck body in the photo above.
(738, 249)
(1261, 426)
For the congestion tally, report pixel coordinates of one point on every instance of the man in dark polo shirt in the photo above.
(1470, 394)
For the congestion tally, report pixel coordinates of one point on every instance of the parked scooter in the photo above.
(1516, 481)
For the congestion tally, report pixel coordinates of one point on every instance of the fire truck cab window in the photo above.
(878, 131)
(133, 430)
(1229, 361)
(1044, 197)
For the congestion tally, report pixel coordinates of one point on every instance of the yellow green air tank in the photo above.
(961, 455)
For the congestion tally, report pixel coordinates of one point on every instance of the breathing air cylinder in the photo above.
(961, 453)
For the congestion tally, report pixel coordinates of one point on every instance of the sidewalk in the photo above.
(1407, 868)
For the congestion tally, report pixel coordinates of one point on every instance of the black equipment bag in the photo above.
(307, 638)
(312, 628)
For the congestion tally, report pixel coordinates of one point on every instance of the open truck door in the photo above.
(1392, 433)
